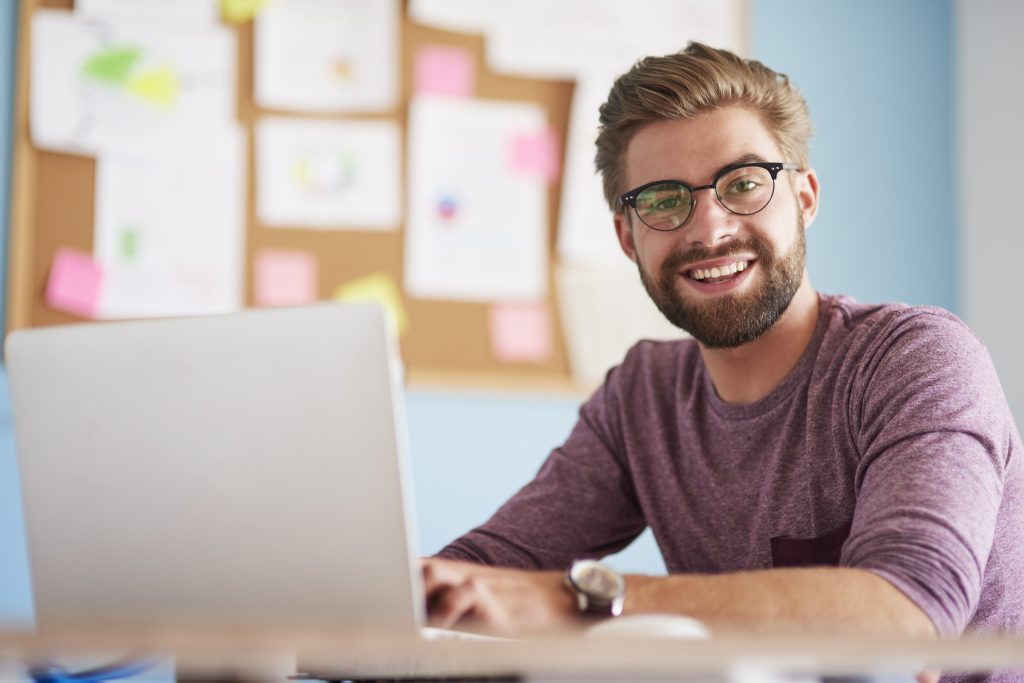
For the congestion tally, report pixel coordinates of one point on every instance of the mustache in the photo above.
(678, 260)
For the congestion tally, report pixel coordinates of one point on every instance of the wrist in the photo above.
(637, 594)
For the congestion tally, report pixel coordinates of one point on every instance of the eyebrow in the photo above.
(748, 158)
(739, 161)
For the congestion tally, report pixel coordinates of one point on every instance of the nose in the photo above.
(710, 223)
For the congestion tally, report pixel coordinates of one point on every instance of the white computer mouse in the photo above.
(649, 626)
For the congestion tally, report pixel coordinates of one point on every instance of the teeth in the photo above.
(721, 271)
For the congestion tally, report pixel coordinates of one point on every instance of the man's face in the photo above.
(767, 248)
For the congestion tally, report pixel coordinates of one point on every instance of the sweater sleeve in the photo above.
(580, 504)
(931, 424)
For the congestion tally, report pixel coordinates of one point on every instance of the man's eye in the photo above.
(742, 185)
(670, 202)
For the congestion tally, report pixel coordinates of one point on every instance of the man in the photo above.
(805, 461)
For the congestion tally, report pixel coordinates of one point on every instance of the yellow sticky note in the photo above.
(379, 287)
(240, 11)
(158, 87)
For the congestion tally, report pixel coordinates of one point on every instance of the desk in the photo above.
(258, 654)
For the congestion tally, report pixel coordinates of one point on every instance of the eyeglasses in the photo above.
(743, 189)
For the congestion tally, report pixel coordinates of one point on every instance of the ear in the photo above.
(624, 231)
(807, 193)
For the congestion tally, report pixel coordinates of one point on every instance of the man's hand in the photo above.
(504, 601)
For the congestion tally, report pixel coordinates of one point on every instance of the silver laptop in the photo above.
(225, 469)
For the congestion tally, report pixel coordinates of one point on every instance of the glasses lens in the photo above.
(745, 190)
(665, 206)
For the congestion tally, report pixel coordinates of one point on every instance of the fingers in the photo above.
(451, 591)
(496, 600)
(467, 601)
(440, 575)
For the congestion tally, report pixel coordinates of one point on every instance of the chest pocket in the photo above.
(817, 551)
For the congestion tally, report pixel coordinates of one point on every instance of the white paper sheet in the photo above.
(586, 232)
(329, 174)
(196, 10)
(477, 228)
(327, 55)
(604, 311)
(561, 39)
(463, 16)
(170, 229)
(99, 84)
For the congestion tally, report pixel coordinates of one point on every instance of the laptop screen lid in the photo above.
(245, 467)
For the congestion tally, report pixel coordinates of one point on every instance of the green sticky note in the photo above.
(129, 243)
(113, 64)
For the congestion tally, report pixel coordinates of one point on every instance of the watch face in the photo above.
(596, 580)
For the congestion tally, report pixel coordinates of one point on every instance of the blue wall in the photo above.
(8, 50)
(879, 80)
(471, 452)
(15, 597)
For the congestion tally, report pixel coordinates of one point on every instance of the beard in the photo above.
(730, 320)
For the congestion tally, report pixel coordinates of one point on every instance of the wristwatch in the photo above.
(599, 589)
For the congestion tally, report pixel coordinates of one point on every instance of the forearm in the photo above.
(823, 600)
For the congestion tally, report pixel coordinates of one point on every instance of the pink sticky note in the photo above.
(444, 71)
(536, 154)
(285, 278)
(521, 332)
(74, 284)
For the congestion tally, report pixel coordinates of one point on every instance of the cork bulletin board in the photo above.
(445, 343)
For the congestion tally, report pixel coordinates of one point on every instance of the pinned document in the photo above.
(101, 83)
(327, 55)
(328, 174)
(477, 228)
(586, 233)
(74, 283)
(170, 229)
(194, 10)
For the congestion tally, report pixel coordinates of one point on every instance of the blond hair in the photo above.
(685, 84)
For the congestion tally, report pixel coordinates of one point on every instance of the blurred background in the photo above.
(916, 107)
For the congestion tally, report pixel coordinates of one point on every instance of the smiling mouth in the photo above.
(722, 273)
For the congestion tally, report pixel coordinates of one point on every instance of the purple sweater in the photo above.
(889, 447)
